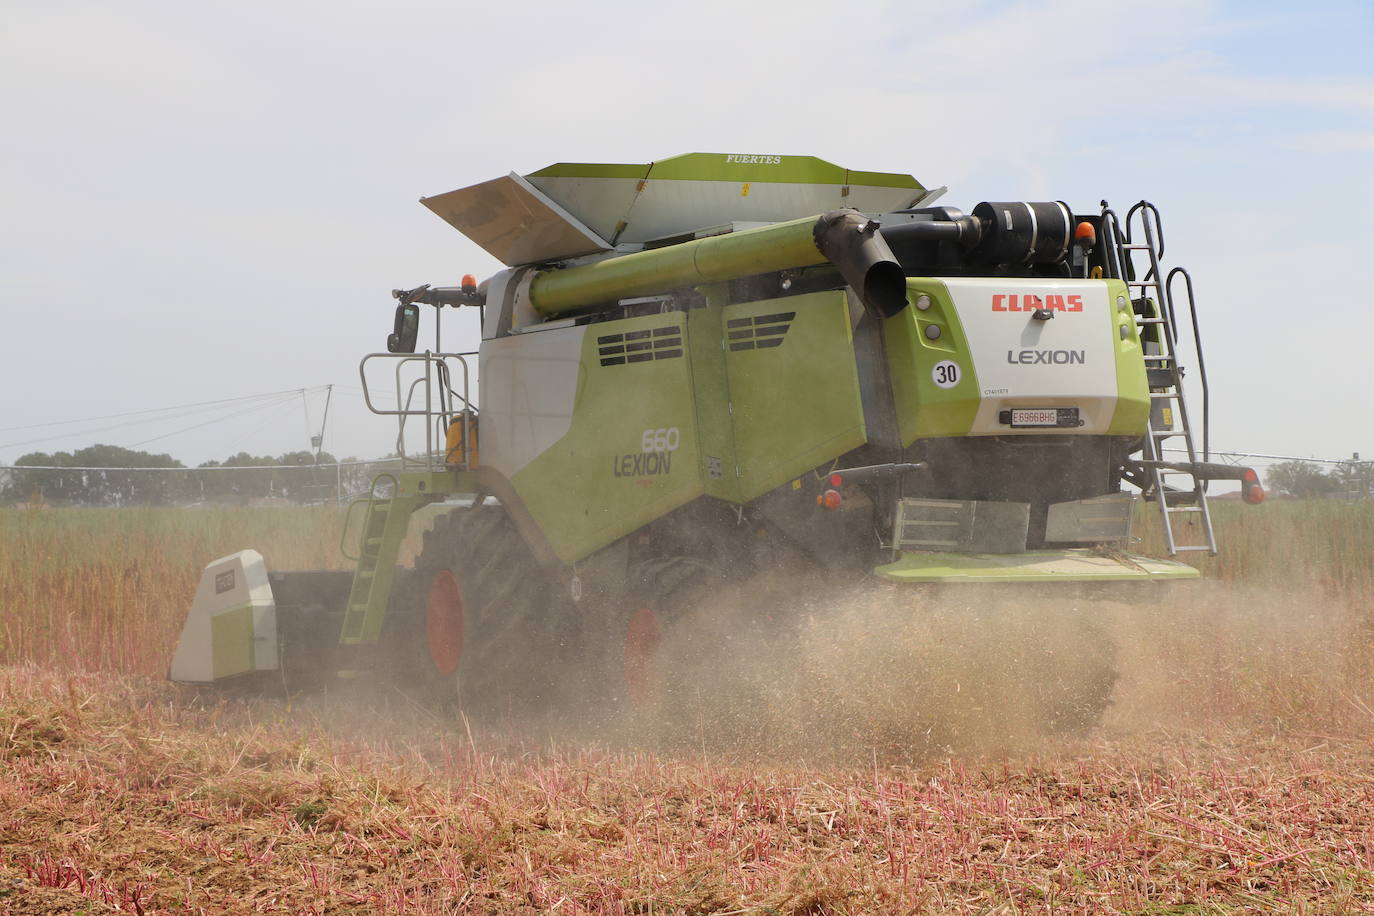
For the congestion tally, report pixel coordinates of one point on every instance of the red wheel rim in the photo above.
(642, 638)
(444, 622)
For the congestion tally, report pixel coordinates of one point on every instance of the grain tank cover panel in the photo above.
(634, 204)
(571, 208)
(515, 222)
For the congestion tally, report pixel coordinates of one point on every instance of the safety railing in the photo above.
(442, 384)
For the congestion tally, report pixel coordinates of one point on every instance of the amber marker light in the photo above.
(830, 499)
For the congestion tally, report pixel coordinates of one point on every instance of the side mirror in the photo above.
(402, 339)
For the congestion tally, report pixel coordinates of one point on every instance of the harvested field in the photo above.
(1233, 773)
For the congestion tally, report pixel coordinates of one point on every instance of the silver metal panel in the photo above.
(1099, 520)
(601, 203)
(961, 526)
(529, 391)
(666, 207)
(515, 221)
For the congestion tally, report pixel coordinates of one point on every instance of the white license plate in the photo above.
(1034, 416)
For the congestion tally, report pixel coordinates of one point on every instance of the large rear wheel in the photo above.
(694, 659)
(485, 628)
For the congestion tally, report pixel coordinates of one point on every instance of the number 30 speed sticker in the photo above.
(945, 373)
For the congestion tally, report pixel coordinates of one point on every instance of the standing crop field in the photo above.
(1234, 772)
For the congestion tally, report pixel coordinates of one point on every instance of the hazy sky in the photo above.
(201, 201)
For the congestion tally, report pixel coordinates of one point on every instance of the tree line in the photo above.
(1309, 480)
(299, 477)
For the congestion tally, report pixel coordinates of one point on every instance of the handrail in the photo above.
(343, 535)
(1111, 230)
(370, 501)
(1197, 349)
(439, 399)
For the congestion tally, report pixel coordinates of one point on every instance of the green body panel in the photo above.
(1043, 566)
(732, 167)
(231, 636)
(767, 390)
(593, 170)
(1132, 392)
(708, 260)
(795, 394)
(924, 410)
(598, 483)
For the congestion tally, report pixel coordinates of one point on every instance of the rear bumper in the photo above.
(1038, 566)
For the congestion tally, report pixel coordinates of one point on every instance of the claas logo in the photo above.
(1029, 302)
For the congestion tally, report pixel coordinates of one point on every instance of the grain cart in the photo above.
(716, 367)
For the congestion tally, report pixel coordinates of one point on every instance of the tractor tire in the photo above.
(485, 627)
(691, 660)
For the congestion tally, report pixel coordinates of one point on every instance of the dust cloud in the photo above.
(900, 675)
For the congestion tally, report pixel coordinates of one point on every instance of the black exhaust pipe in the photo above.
(852, 242)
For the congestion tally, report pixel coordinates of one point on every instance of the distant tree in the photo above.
(122, 488)
(54, 486)
(306, 478)
(253, 478)
(95, 488)
(1303, 479)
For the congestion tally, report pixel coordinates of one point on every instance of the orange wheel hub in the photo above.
(643, 636)
(444, 622)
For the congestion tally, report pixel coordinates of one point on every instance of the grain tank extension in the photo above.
(719, 369)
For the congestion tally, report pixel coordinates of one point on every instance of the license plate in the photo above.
(1041, 416)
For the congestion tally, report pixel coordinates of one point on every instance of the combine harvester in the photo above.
(714, 367)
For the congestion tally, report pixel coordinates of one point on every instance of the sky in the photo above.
(211, 201)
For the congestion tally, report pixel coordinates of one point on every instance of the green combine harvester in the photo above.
(719, 368)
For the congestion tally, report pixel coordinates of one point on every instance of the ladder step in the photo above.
(1165, 433)
(1149, 321)
(1183, 509)
(1181, 547)
(1164, 394)
(1142, 282)
(1136, 247)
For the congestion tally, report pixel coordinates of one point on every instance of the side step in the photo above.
(385, 527)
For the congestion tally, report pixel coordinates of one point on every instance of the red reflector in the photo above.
(830, 499)
(1251, 476)
(1254, 495)
(836, 480)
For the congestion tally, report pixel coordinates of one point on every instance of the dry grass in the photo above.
(123, 795)
(1234, 773)
(107, 589)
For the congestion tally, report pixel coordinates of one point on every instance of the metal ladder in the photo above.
(383, 528)
(1164, 372)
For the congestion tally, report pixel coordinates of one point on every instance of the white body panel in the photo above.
(1066, 361)
(232, 584)
(668, 207)
(529, 388)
